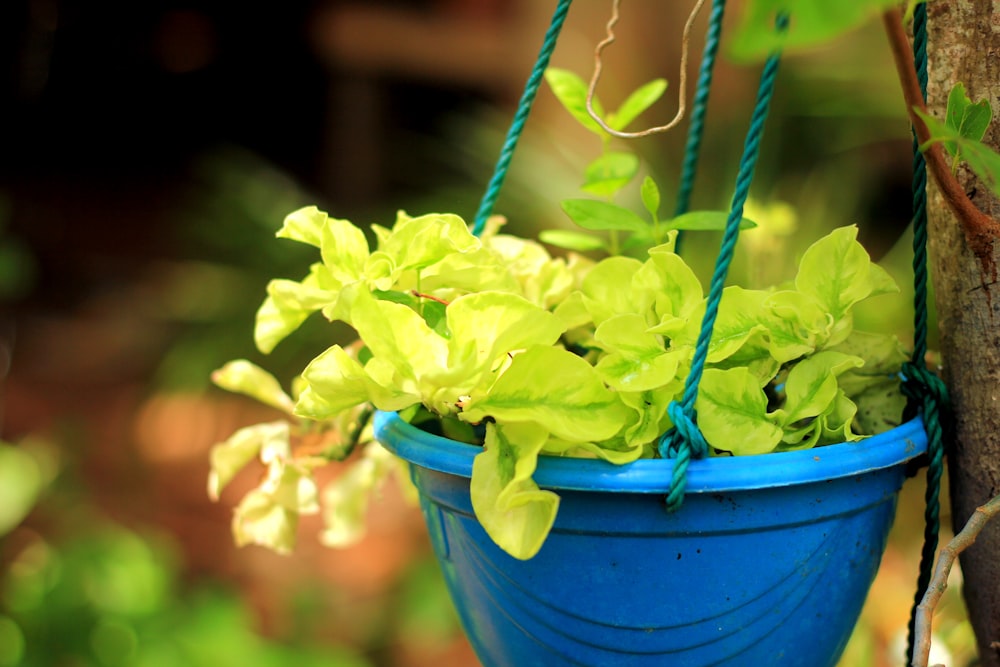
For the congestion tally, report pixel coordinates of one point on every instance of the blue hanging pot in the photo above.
(768, 562)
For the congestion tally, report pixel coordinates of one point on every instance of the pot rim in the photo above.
(711, 475)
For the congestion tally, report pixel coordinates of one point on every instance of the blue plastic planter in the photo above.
(767, 563)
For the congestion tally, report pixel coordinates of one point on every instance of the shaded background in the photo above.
(148, 153)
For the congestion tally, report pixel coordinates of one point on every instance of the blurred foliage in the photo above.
(79, 589)
(226, 222)
(18, 268)
(110, 598)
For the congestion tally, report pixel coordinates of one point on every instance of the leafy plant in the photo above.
(813, 22)
(961, 135)
(493, 341)
(610, 173)
(501, 343)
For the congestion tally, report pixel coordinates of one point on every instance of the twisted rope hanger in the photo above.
(684, 441)
(926, 392)
(696, 129)
(520, 117)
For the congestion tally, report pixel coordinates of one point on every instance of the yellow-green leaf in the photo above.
(571, 91)
(635, 360)
(304, 225)
(556, 389)
(345, 500)
(487, 325)
(243, 446)
(243, 377)
(515, 513)
(344, 249)
(732, 412)
(838, 272)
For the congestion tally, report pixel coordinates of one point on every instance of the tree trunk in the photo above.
(964, 46)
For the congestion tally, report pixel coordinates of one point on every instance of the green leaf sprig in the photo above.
(961, 134)
(610, 173)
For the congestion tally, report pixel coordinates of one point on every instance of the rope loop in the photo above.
(690, 437)
(924, 389)
(681, 443)
(685, 439)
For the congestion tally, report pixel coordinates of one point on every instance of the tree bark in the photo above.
(964, 46)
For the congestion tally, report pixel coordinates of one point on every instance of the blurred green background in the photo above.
(148, 153)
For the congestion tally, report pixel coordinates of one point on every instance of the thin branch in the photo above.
(421, 295)
(976, 224)
(681, 85)
(939, 582)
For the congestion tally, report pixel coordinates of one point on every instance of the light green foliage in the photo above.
(967, 119)
(732, 412)
(571, 92)
(556, 357)
(961, 134)
(513, 510)
(813, 22)
(243, 377)
(555, 389)
(610, 173)
(25, 472)
(345, 500)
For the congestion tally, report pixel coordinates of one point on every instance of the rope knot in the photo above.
(684, 440)
(924, 389)
(681, 443)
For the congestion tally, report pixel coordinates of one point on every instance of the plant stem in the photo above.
(939, 582)
(421, 295)
(978, 226)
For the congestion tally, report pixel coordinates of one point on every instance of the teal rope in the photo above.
(926, 392)
(520, 117)
(692, 149)
(679, 442)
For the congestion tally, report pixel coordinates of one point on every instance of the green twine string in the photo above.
(684, 441)
(520, 117)
(926, 392)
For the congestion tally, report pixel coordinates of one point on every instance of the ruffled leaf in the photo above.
(344, 249)
(555, 389)
(811, 387)
(607, 289)
(635, 360)
(230, 457)
(268, 516)
(487, 325)
(515, 513)
(304, 225)
(668, 284)
(732, 412)
(289, 303)
(243, 377)
(838, 272)
(335, 381)
(345, 500)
